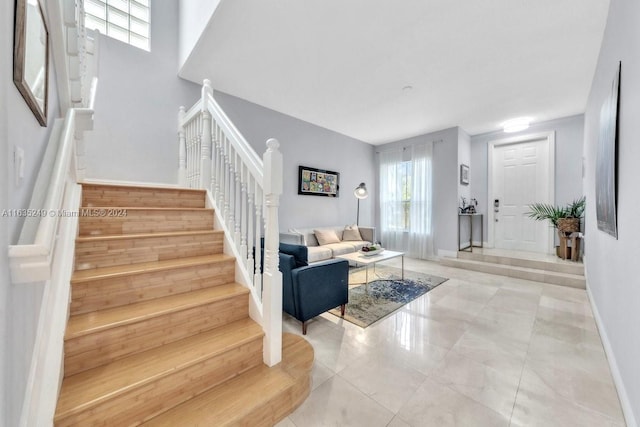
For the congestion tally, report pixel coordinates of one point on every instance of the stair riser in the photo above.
(145, 401)
(99, 348)
(143, 221)
(525, 275)
(101, 196)
(105, 253)
(518, 262)
(117, 291)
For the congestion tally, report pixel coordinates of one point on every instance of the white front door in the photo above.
(522, 174)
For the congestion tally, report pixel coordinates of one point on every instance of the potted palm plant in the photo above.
(565, 219)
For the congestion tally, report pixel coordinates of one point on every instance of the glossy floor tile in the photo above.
(478, 350)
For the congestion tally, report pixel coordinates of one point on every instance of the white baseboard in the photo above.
(128, 183)
(627, 409)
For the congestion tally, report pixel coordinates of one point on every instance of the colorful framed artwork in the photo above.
(318, 182)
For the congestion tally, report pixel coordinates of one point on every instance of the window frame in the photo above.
(114, 7)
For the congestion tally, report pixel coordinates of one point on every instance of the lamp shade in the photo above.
(361, 191)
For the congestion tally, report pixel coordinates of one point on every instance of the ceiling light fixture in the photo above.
(407, 88)
(517, 124)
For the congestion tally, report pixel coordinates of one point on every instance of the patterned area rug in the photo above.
(384, 294)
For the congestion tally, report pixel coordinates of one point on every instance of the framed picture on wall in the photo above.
(464, 174)
(607, 159)
(31, 57)
(318, 182)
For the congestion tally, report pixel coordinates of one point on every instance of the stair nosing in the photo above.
(149, 267)
(518, 268)
(150, 208)
(108, 237)
(235, 290)
(143, 187)
(251, 336)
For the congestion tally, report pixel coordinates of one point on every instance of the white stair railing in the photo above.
(244, 191)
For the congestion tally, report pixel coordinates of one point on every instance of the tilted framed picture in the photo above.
(318, 182)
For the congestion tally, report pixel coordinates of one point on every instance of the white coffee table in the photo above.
(366, 260)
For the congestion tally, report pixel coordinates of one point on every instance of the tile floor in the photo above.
(479, 350)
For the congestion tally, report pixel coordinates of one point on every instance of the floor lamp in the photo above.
(361, 193)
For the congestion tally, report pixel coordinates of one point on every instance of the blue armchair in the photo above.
(309, 290)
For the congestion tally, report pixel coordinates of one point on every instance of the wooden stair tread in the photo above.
(81, 391)
(81, 276)
(141, 187)
(83, 239)
(148, 208)
(83, 324)
(229, 402)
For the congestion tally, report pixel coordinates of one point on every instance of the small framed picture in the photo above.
(464, 174)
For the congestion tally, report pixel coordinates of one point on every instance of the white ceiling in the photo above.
(343, 64)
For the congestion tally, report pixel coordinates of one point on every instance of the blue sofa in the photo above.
(309, 290)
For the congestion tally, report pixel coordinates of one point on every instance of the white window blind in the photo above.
(124, 20)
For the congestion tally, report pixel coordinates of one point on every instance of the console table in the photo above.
(471, 245)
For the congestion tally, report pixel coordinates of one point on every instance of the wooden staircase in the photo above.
(159, 332)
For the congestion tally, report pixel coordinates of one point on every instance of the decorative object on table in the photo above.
(464, 174)
(468, 209)
(31, 57)
(371, 250)
(361, 193)
(566, 220)
(606, 159)
(318, 182)
(381, 297)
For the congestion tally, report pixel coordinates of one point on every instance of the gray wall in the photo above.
(445, 184)
(19, 305)
(5, 70)
(137, 105)
(568, 169)
(611, 266)
(303, 143)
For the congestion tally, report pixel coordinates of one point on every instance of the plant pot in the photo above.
(560, 252)
(569, 225)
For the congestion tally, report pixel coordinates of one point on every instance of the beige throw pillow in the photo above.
(326, 237)
(351, 233)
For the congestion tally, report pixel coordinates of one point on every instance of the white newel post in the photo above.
(205, 159)
(272, 278)
(182, 150)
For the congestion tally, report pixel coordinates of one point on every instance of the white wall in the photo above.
(19, 304)
(5, 70)
(194, 17)
(306, 144)
(568, 169)
(135, 131)
(611, 266)
(445, 185)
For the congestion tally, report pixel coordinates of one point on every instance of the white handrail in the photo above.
(32, 262)
(244, 191)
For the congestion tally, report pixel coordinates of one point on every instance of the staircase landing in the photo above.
(522, 265)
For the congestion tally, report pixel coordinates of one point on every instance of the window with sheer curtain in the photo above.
(406, 200)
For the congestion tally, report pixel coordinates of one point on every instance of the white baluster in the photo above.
(182, 150)
(243, 208)
(232, 189)
(272, 277)
(250, 226)
(205, 139)
(257, 281)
